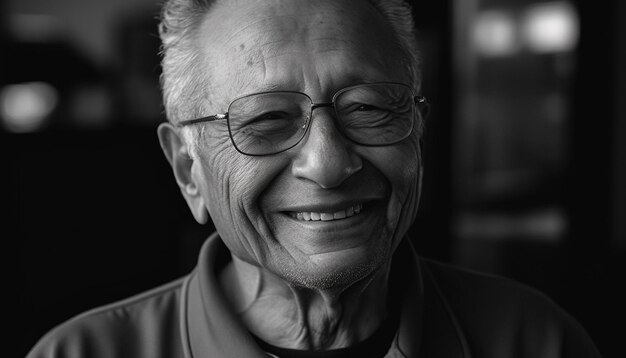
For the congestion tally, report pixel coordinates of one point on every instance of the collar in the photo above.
(209, 328)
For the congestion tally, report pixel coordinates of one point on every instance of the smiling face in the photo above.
(327, 212)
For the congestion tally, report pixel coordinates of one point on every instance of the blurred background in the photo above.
(525, 154)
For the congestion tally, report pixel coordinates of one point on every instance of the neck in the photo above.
(293, 317)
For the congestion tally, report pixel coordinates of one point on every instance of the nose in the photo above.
(325, 157)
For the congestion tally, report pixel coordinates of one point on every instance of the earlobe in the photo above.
(175, 150)
(198, 210)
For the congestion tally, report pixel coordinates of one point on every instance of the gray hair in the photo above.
(184, 83)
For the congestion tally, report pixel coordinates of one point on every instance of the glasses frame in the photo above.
(420, 102)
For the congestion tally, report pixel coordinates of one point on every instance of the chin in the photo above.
(336, 270)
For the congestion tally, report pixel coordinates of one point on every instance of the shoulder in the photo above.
(145, 325)
(499, 315)
(464, 287)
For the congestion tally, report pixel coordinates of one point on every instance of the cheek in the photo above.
(232, 185)
(410, 174)
(400, 164)
(215, 171)
(222, 176)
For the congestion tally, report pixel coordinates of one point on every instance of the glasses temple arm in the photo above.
(212, 118)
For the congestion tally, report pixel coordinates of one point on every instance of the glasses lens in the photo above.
(376, 114)
(268, 123)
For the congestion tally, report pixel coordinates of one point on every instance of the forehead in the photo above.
(249, 45)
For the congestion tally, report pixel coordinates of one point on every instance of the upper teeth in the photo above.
(338, 215)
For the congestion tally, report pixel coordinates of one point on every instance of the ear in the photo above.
(175, 150)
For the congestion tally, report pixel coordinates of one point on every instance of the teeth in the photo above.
(338, 215)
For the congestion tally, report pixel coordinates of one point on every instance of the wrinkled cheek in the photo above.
(404, 203)
(406, 186)
(245, 219)
(410, 203)
(225, 195)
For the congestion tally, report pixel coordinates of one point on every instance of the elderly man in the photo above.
(294, 125)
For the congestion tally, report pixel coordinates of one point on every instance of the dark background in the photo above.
(91, 213)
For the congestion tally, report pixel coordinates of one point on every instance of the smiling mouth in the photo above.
(318, 216)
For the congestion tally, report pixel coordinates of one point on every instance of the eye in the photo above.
(271, 121)
(271, 115)
(366, 108)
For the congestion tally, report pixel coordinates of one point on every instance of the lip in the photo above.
(367, 208)
(323, 216)
(350, 229)
(328, 206)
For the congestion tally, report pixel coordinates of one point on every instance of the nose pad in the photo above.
(326, 157)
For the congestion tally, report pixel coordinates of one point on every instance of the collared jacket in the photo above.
(446, 312)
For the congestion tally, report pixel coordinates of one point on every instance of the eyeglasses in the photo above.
(374, 114)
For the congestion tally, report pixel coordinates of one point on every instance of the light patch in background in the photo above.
(35, 27)
(25, 107)
(494, 33)
(550, 27)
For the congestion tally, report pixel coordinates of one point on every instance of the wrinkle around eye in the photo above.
(377, 121)
(215, 134)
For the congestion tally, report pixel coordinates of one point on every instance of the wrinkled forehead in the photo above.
(298, 20)
(245, 35)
